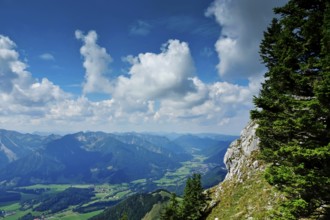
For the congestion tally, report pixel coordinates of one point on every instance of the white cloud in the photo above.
(160, 92)
(96, 63)
(152, 76)
(47, 57)
(163, 89)
(242, 23)
(17, 87)
(10, 67)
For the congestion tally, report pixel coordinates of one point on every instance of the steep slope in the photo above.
(15, 145)
(244, 194)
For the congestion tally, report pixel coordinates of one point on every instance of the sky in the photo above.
(119, 66)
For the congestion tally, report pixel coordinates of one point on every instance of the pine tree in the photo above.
(124, 216)
(192, 204)
(293, 110)
(172, 210)
(193, 198)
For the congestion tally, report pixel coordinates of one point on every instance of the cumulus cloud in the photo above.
(160, 91)
(242, 23)
(151, 76)
(163, 89)
(17, 87)
(96, 63)
(8, 59)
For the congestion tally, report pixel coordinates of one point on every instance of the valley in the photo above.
(104, 194)
(106, 168)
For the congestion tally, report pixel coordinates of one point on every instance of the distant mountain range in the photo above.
(15, 145)
(97, 157)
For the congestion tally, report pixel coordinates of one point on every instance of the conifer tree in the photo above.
(192, 204)
(193, 198)
(172, 210)
(124, 216)
(293, 110)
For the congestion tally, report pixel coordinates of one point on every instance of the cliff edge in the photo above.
(244, 193)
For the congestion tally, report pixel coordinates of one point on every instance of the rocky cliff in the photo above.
(244, 194)
(239, 154)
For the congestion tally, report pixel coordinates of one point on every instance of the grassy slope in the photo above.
(251, 198)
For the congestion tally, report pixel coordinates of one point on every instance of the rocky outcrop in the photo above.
(244, 193)
(239, 153)
(238, 158)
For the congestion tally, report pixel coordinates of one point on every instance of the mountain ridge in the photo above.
(99, 157)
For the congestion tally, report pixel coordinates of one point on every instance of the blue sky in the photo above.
(148, 65)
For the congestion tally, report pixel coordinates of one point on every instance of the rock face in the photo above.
(238, 160)
(240, 151)
(244, 193)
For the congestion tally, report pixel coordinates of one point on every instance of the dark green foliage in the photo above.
(28, 216)
(9, 196)
(293, 110)
(172, 210)
(193, 198)
(62, 200)
(192, 205)
(95, 206)
(124, 216)
(134, 208)
(37, 191)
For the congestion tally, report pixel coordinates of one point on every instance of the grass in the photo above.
(56, 187)
(69, 215)
(123, 194)
(139, 181)
(253, 197)
(17, 215)
(178, 177)
(14, 207)
(154, 212)
(10, 206)
(103, 192)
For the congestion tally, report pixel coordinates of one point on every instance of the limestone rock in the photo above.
(240, 151)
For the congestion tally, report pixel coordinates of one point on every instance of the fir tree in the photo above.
(192, 204)
(172, 210)
(293, 110)
(124, 216)
(193, 198)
